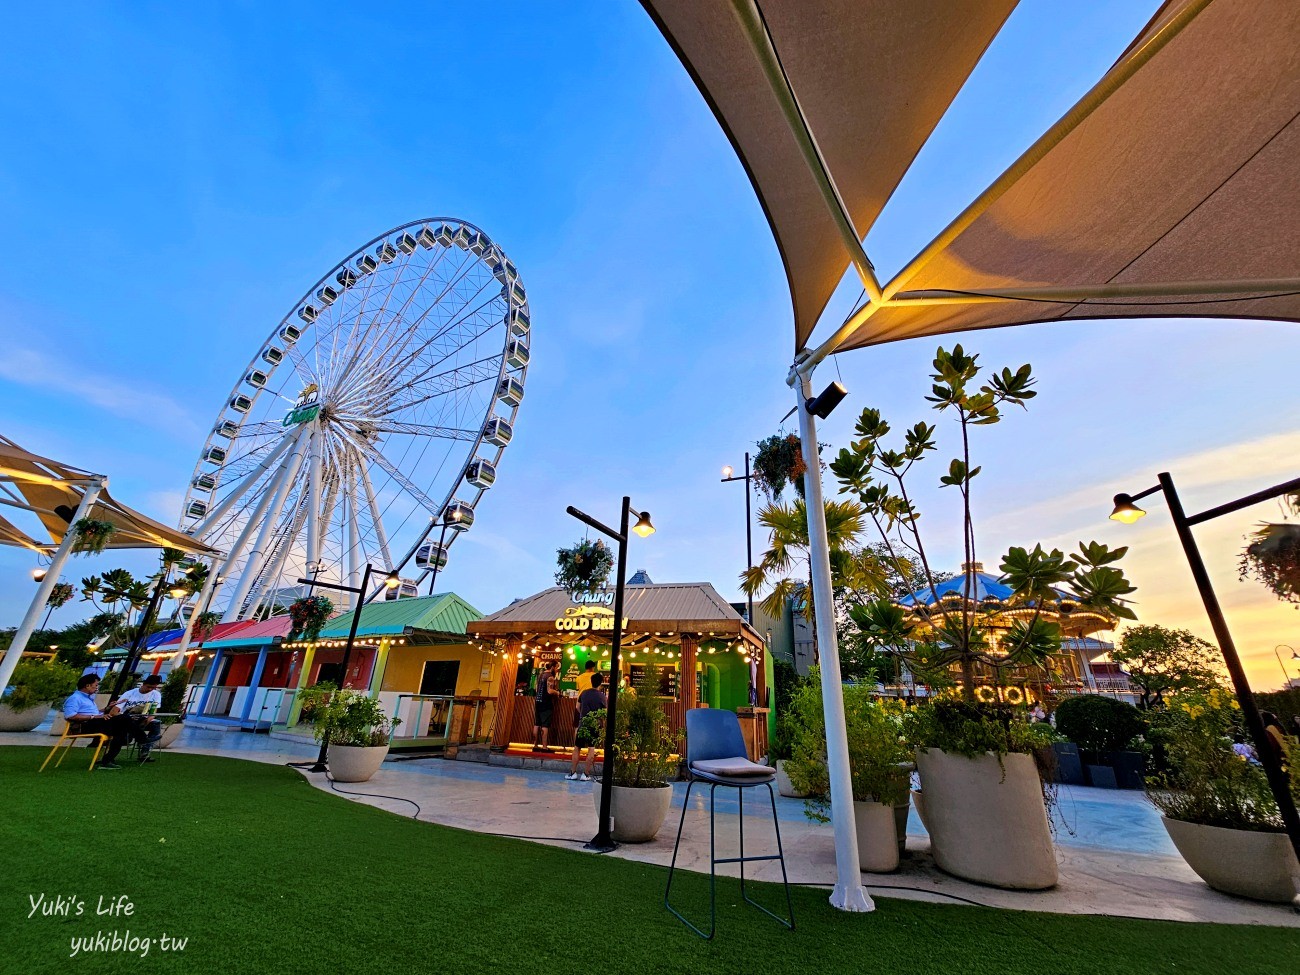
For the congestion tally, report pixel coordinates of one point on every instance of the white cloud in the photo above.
(131, 399)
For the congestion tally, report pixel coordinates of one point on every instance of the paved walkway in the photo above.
(1114, 856)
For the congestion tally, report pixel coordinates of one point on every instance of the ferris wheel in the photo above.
(376, 412)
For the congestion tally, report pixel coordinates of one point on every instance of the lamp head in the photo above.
(728, 471)
(1125, 510)
(825, 402)
(38, 574)
(643, 526)
(176, 591)
(451, 516)
(392, 580)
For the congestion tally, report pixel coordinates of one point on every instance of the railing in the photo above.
(277, 703)
(219, 702)
(441, 719)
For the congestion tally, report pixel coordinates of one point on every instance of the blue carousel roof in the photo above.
(983, 586)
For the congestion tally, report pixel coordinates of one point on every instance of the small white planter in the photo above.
(783, 784)
(11, 720)
(355, 763)
(987, 821)
(636, 814)
(1261, 866)
(877, 836)
(170, 733)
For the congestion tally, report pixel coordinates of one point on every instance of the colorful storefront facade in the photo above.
(679, 629)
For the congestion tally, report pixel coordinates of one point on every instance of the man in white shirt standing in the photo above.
(139, 704)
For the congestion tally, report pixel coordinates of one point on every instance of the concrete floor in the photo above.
(1114, 856)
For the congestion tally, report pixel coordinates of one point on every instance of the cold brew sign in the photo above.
(587, 619)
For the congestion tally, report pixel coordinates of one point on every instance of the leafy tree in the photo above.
(1163, 661)
(934, 636)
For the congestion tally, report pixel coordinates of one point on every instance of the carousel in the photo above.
(995, 610)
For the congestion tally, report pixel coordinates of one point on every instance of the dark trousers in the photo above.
(120, 729)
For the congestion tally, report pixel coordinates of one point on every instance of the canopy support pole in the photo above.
(200, 607)
(28, 626)
(849, 894)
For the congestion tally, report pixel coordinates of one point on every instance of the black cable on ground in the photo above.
(373, 795)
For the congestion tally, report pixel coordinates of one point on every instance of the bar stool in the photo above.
(715, 753)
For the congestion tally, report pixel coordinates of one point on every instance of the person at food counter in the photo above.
(548, 691)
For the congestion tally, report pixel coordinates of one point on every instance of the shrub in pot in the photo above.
(1101, 727)
(779, 751)
(358, 730)
(314, 700)
(645, 763)
(879, 761)
(984, 780)
(33, 687)
(1220, 813)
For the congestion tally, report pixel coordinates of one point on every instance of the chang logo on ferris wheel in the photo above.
(307, 407)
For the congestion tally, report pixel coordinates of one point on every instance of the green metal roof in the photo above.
(439, 613)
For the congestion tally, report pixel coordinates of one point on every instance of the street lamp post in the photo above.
(1286, 678)
(749, 540)
(603, 842)
(1127, 511)
(392, 581)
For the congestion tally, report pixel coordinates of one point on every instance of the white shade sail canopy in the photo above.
(1170, 189)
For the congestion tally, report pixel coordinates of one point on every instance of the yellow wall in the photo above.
(406, 666)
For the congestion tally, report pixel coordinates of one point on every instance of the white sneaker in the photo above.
(585, 777)
(573, 776)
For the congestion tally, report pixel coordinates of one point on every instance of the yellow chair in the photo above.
(65, 742)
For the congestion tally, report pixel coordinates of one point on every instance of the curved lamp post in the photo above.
(727, 473)
(603, 842)
(1127, 511)
(449, 519)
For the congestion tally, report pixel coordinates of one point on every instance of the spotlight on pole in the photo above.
(38, 575)
(392, 580)
(825, 402)
(643, 526)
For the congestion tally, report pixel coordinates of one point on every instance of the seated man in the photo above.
(84, 717)
(140, 704)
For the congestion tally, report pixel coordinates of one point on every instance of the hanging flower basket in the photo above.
(779, 462)
(203, 626)
(1273, 558)
(583, 567)
(308, 615)
(92, 536)
(61, 594)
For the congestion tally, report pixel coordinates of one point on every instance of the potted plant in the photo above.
(584, 566)
(1219, 810)
(645, 764)
(984, 780)
(358, 730)
(33, 687)
(314, 700)
(92, 536)
(307, 616)
(172, 706)
(779, 752)
(879, 766)
(1103, 727)
(779, 462)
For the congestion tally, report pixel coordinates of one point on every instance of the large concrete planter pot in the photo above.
(783, 784)
(877, 837)
(1261, 866)
(355, 763)
(986, 820)
(11, 720)
(637, 814)
(59, 724)
(900, 823)
(171, 732)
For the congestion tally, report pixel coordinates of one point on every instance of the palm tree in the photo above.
(851, 564)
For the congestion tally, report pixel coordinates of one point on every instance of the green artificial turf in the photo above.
(264, 874)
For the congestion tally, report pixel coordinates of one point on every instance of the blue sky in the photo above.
(174, 176)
